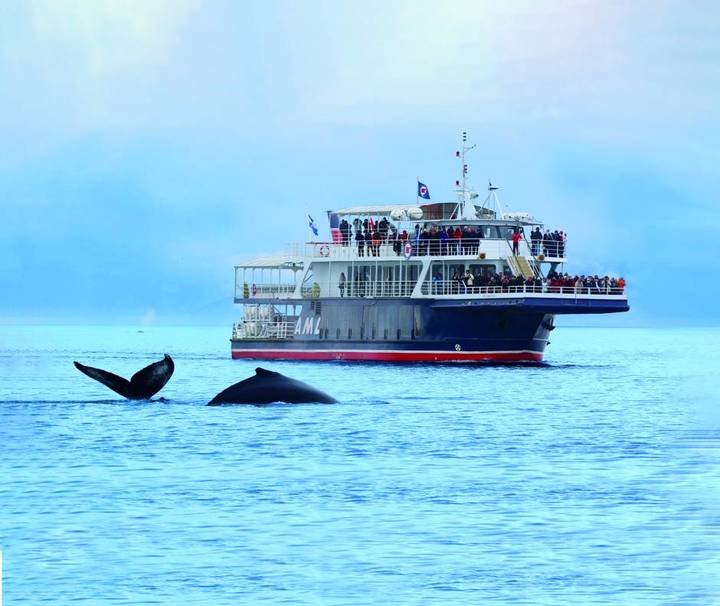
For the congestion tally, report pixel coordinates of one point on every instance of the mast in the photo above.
(465, 208)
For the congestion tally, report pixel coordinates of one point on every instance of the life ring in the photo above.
(324, 250)
(407, 250)
(254, 289)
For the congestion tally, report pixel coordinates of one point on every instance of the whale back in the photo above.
(266, 387)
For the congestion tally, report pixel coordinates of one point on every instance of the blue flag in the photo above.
(423, 191)
(312, 225)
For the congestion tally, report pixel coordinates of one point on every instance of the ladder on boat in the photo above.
(520, 266)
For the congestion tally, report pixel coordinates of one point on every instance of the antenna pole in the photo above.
(464, 166)
(463, 192)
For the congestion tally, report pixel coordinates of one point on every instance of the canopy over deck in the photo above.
(436, 212)
(272, 262)
(375, 210)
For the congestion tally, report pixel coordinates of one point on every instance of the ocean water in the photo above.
(592, 479)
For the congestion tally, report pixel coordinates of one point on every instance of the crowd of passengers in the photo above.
(369, 236)
(554, 282)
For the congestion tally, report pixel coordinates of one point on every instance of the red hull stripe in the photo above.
(388, 356)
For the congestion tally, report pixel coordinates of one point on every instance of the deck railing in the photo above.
(258, 329)
(365, 288)
(264, 291)
(455, 287)
(465, 247)
(429, 288)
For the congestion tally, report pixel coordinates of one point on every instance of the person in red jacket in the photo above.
(516, 241)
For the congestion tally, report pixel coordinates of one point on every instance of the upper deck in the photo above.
(463, 250)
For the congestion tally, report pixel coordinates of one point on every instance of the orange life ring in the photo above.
(254, 289)
(324, 250)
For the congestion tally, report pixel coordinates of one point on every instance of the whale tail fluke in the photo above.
(152, 378)
(144, 384)
(118, 384)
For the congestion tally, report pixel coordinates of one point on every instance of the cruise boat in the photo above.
(458, 281)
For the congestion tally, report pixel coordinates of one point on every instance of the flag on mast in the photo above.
(312, 226)
(423, 191)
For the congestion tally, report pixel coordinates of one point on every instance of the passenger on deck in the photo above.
(376, 241)
(424, 241)
(396, 243)
(465, 240)
(345, 232)
(383, 227)
(516, 237)
(360, 239)
(444, 241)
(468, 280)
(536, 239)
(547, 243)
(434, 241)
(341, 284)
(478, 281)
(456, 240)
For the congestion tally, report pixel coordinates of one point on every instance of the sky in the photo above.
(147, 146)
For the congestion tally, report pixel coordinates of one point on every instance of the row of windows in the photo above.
(325, 333)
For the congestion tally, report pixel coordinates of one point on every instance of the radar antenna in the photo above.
(492, 203)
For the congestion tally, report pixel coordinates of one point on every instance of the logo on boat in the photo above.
(307, 326)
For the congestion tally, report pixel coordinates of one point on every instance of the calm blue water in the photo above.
(592, 480)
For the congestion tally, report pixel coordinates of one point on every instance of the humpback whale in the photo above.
(267, 387)
(143, 385)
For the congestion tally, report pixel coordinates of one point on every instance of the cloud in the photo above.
(566, 66)
(70, 65)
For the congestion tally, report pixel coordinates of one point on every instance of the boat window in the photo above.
(458, 269)
(507, 231)
(490, 231)
(486, 269)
